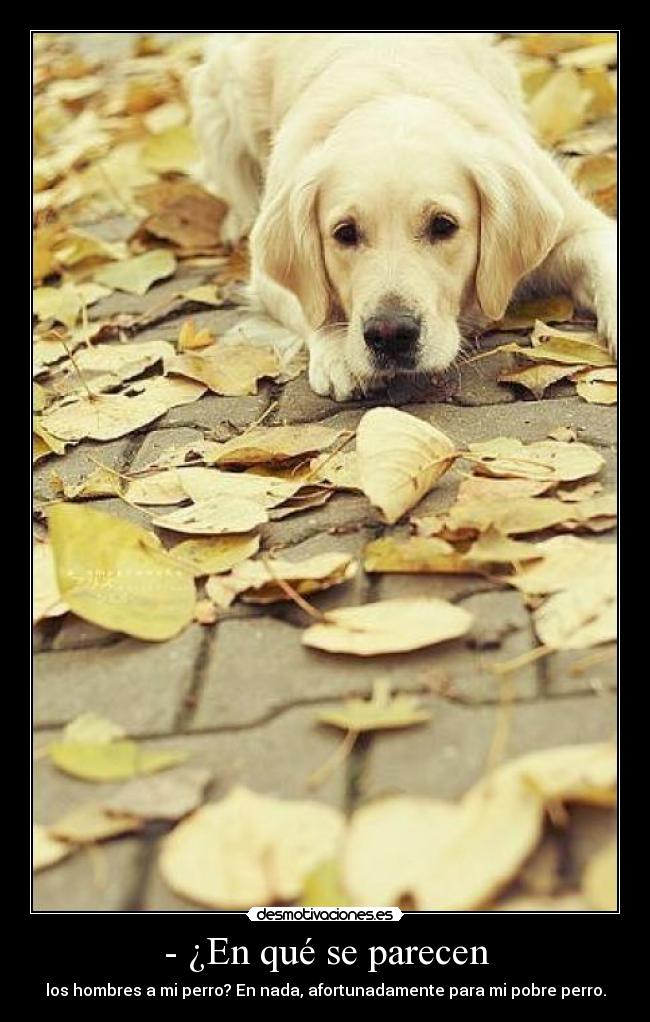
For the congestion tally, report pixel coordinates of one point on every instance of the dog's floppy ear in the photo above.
(520, 220)
(286, 244)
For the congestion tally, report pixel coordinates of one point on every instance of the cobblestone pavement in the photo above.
(241, 696)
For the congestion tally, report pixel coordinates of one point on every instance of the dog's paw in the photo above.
(330, 377)
(607, 326)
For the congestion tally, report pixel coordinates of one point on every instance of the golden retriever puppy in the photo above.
(394, 196)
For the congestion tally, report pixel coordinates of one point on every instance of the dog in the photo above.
(393, 194)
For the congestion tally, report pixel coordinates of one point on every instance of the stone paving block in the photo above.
(222, 417)
(139, 685)
(580, 670)
(74, 633)
(78, 463)
(160, 440)
(445, 757)
(120, 302)
(344, 510)
(98, 879)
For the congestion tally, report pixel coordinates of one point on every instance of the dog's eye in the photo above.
(440, 227)
(346, 234)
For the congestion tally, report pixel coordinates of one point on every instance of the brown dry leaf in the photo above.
(400, 458)
(528, 514)
(488, 488)
(117, 575)
(565, 559)
(591, 141)
(565, 434)
(603, 54)
(415, 555)
(391, 626)
(232, 371)
(61, 304)
(205, 612)
(382, 711)
(159, 489)
(202, 484)
(110, 761)
(106, 366)
(136, 275)
(215, 517)
(47, 851)
(560, 345)
(537, 378)
(206, 294)
(47, 600)
(258, 581)
(277, 444)
(100, 483)
(581, 616)
(560, 106)
(546, 460)
(340, 470)
(492, 547)
(248, 850)
(215, 554)
(600, 880)
(580, 492)
(597, 177)
(550, 44)
(109, 416)
(168, 796)
(190, 338)
(171, 150)
(522, 315)
(457, 856)
(596, 392)
(183, 214)
(88, 823)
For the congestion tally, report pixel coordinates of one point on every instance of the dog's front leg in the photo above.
(585, 264)
(329, 375)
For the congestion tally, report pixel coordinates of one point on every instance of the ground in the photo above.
(241, 696)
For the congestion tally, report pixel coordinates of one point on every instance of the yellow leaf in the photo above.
(323, 886)
(214, 517)
(565, 559)
(109, 416)
(249, 850)
(581, 616)
(100, 483)
(231, 371)
(391, 626)
(46, 596)
(207, 294)
(381, 712)
(597, 393)
(521, 315)
(189, 337)
(88, 823)
(415, 555)
(216, 554)
(110, 761)
(601, 55)
(90, 727)
(537, 378)
(62, 304)
(47, 850)
(136, 275)
(400, 458)
(546, 460)
(258, 580)
(117, 575)
(261, 446)
(171, 150)
(559, 106)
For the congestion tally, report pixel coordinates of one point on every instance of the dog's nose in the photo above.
(391, 335)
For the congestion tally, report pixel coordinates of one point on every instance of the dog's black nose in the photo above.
(392, 336)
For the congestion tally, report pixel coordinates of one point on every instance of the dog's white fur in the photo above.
(302, 132)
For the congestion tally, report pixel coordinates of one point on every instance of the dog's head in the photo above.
(398, 224)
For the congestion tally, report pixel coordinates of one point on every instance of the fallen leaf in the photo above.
(600, 880)
(550, 44)
(47, 850)
(580, 492)
(249, 850)
(214, 517)
(206, 294)
(100, 483)
(190, 338)
(521, 315)
(62, 304)
(559, 106)
(106, 366)
(340, 470)
(118, 575)
(205, 612)
(545, 460)
(43, 443)
(170, 796)
(600, 55)
(47, 600)
(597, 393)
(581, 616)
(527, 514)
(565, 559)
(399, 458)
(381, 712)
(109, 416)
(110, 761)
(492, 547)
(495, 488)
(276, 444)
(232, 371)
(215, 554)
(136, 275)
(171, 150)
(566, 434)
(90, 727)
(159, 489)
(537, 378)
(391, 626)
(89, 823)
(323, 887)
(415, 555)
(183, 214)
